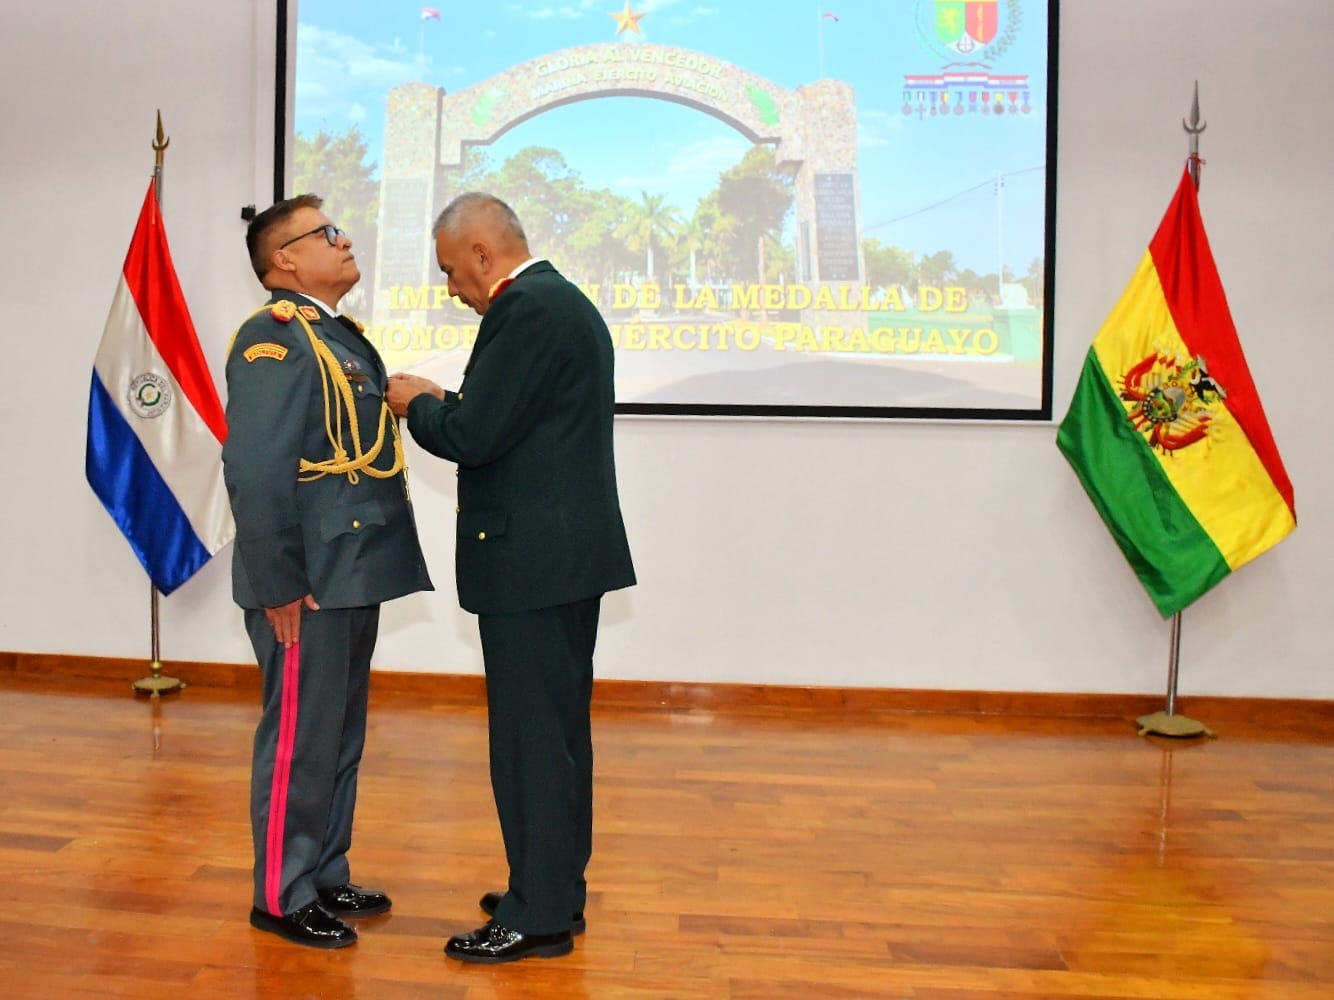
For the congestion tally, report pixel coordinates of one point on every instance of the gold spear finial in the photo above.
(161, 143)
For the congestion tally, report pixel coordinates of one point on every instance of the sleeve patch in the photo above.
(275, 351)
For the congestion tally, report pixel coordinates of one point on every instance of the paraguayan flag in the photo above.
(155, 425)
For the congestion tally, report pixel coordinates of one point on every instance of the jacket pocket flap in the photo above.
(350, 519)
(482, 524)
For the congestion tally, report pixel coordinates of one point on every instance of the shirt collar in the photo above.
(325, 308)
(508, 280)
(524, 266)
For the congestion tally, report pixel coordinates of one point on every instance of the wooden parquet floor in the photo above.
(753, 855)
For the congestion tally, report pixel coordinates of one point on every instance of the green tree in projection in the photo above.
(649, 223)
(888, 266)
(592, 254)
(780, 260)
(974, 282)
(1034, 280)
(334, 167)
(714, 226)
(937, 268)
(544, 191)
(559, 214)
(695, 252)
(756, 197)
(476, 175)
(685, 249)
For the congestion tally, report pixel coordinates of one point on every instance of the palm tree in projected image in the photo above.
(714, 227)
(696, 247)
(649, 223)
(689, 240)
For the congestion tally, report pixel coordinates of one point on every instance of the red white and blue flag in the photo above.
(430, 14)
(155, 425)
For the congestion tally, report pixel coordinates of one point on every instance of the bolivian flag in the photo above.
(1166, 431)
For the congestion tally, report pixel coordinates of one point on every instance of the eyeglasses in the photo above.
(331, 233)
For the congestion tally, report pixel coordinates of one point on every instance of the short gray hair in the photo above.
(471, 204)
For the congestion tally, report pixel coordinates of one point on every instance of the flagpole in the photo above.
(156, 683)
(1168, 723)
(819, 20)
(1194, 129)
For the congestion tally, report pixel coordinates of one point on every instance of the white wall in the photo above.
(937, 555)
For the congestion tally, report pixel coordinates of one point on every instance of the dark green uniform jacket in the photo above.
(539, 521)
(350, 544)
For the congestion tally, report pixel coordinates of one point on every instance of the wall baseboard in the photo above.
(1312, 716)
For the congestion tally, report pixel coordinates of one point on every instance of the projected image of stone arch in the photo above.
(811, 130)
(779, 210)
(788, 308)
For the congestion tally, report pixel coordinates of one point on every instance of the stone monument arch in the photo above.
(813, 130)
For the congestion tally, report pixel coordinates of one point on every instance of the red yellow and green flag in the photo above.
(1166, 430)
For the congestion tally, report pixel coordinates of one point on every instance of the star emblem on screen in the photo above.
(627, 20)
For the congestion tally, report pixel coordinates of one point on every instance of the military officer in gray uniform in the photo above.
(324, 533)
(540, 540)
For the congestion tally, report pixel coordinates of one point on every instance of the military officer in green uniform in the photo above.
(540, 539)
(324, 533)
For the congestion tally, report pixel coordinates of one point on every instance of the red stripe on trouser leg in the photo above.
(282, 774)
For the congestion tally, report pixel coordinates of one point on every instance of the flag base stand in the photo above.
(158, 683)
(1167, 724)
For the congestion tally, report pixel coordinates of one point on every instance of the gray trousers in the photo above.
(308, 745)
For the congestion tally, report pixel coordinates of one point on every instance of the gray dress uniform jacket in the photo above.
(351, 541)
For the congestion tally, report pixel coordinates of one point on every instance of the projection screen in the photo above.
(781, 209)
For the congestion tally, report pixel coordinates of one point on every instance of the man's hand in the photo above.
(286, 619)
(404, 388)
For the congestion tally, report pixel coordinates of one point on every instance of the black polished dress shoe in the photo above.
(495, 942)
(349, 900)
(491, 900)
(311, 925)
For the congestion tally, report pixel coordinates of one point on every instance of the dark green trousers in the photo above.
(539, 685)
(308, 744)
